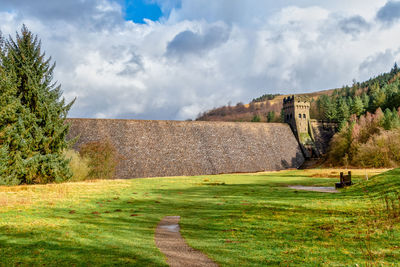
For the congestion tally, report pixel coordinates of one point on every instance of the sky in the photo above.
(172, 59)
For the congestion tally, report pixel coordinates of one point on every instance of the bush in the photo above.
(365, 143)
(103, 159)
(79, 165)
(380, 151)
(256, 118)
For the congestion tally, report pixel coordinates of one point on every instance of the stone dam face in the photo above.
(176, 148)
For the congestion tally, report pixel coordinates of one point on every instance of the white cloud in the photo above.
(206, 53)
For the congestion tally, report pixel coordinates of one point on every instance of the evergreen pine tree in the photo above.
(365, 100)
(387, 121)
(15, 139)
(392, 94)
(358, 106)
(330, 110)
(343, 111)
(37, 149)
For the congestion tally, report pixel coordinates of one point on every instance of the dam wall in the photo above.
(323, 133)
(186, 148)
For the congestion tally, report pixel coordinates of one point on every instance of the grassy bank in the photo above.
(243, 219)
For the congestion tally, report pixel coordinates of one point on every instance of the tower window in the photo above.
(304, 116)
(299, 116)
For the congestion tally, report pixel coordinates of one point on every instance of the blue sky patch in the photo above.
(138, 10)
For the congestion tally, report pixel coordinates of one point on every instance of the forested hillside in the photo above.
(368, 114)
(379, 92)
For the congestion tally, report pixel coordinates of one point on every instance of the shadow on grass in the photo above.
(250, 224)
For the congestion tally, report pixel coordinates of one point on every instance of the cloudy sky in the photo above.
(171, 59)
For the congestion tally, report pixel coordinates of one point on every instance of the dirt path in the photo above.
(315, 189)
(171, 243)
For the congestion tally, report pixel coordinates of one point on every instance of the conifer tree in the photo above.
(14, 130)
(330, 110)
(343, 111)
(365, 100)
(38, 130)
(358, 106)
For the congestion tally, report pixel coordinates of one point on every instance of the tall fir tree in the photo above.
(358, 106)
(343, 111)
(330, 110)
(15, 138)
(37, 133)
(365, 99)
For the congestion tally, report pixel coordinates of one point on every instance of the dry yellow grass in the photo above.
(335, 172)
(27, 196)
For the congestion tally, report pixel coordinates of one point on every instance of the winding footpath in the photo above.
(171, 243)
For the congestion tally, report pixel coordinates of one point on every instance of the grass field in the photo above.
(241, 219)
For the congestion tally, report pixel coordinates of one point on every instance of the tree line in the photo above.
(254, 112)
(381, 92)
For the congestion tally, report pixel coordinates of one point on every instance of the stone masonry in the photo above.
(176, 148)
(313, 136)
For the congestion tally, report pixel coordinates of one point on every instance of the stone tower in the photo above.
(297, 114)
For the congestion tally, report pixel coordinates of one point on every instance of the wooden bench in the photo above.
(345, 180)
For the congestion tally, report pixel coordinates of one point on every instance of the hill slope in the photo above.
(332, 105)
(267, 110)
(387, 183)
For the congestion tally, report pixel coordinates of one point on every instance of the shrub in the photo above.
(365, 143)
(380, 151)
(256, 118)
(103, 159)
(78, 164)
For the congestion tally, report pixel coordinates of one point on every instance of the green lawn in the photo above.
(241, 219)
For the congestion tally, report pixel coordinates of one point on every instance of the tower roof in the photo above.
(293, 98)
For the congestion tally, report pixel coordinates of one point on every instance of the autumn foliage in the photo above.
(372, 140)
(103, 159)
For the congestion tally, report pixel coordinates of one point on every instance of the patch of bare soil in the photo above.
(171, 243)
(326, 175)
(315, 189)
